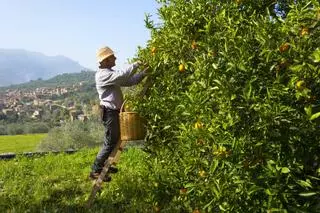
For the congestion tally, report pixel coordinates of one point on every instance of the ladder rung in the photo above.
(112, 159)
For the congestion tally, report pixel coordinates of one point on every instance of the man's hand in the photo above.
(146, 69)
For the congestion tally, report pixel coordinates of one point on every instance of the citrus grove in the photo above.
(233, 105)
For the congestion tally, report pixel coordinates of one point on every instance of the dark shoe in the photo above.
(113, 169)
(95, 176)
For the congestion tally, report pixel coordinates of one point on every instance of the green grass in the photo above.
(59, 183)
(20, 143)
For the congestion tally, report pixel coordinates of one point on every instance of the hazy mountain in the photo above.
(18, 66)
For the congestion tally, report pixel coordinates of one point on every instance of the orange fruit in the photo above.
(153, 51)
(301, 85)
(198, 125)
(212, 53)
(304, 31)
(284, 64)
(183, 191)
(221, 151)
(202, 173)
(156, 209)
(284, 47)
(182, 68)
(200, 141)
(194, 45)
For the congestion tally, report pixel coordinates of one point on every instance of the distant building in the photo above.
(36, 102)
(37, 114)
(8, 111)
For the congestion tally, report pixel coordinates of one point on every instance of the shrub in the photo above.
(73, 135)
(36, 128)
(3, 130)
(15, 129)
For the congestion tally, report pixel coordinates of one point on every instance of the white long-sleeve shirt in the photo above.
(109, 83)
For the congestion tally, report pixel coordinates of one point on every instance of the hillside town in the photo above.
(32, 103)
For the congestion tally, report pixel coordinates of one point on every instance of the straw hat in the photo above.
(104, 53)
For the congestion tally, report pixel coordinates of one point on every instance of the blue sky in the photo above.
(76, 29)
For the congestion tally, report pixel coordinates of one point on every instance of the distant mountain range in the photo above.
(19, 66)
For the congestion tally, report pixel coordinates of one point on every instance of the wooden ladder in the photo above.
(112, 159)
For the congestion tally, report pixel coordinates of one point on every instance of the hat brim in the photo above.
(104, 57)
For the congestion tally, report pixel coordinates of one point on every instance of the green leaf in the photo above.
(209, 204)
(315, 116)
(285, 170)
(296, 68)
(308, 110)
(268, 192)
(214, 166)
(166, 127)
(305, 184)
(316, 55)
(247, 91)
(186, 114)
(189, 185)
(258, 144)
(217, 82)
(307, 194)
(221, 208)
(271, 162)
(214, 66)
(253, 189)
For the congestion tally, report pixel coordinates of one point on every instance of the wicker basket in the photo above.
(132, 126)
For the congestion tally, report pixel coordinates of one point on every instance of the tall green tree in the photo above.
(232, 105)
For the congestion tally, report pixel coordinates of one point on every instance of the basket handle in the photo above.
(122, 106)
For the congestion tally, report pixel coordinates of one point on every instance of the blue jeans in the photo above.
(111, 124)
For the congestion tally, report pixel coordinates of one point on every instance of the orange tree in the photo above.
(232, 105)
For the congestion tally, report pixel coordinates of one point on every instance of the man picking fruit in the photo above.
(108, 85)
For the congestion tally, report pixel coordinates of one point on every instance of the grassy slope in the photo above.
(20, 143)
(59, 183)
